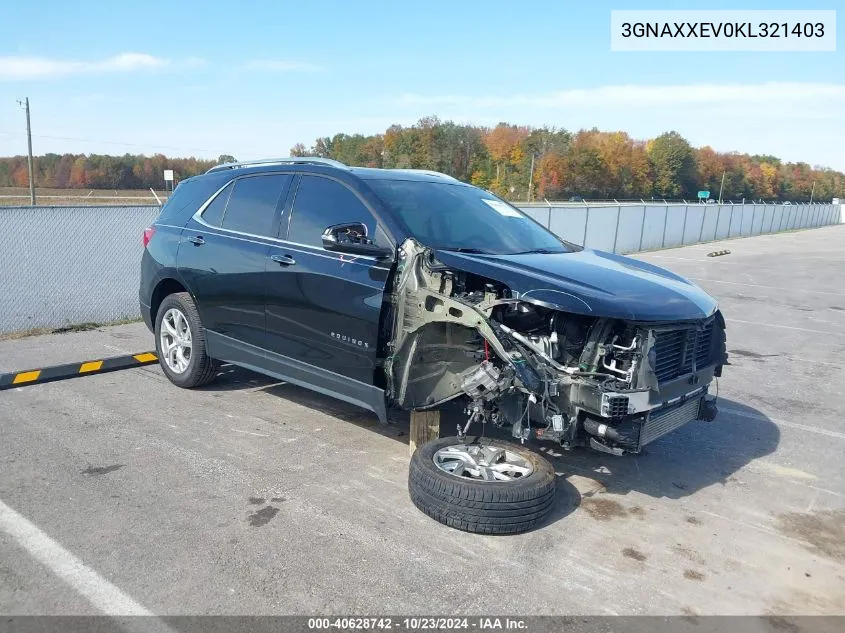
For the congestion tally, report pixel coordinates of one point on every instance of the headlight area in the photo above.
(576, 380)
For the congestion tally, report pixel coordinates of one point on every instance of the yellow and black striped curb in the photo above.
(717, 253)
(74, 370)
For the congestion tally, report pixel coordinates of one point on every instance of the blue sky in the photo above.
(253, 78)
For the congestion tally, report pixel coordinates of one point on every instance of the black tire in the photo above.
(201, 369)
(481, 507)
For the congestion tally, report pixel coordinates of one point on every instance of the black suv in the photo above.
(408, 288)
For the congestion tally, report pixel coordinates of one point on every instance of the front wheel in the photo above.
(180, 342)
(489, 487)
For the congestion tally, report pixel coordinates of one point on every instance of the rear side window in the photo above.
(252, 204)
(321, 202)
(188, 195)
(213, 213)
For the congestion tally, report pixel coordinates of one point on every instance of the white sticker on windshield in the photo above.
(502, 208)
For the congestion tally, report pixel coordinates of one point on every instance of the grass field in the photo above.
(19, 196)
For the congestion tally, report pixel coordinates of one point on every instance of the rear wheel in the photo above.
(180, 342)
(489, 488)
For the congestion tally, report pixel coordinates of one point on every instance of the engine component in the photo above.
(482, 383)
(599, 429)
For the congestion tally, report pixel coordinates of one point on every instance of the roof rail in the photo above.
(290, 160)
(428, 172)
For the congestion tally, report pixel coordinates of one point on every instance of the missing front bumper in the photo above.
(632, 434)
(667, 419)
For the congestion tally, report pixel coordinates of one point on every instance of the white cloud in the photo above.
(22, 68)
(736, 98)
(282, 66)
(194, 62)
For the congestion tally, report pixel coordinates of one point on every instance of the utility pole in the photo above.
(531, 178)
(722, 186)
(25, 105)
(812, 191)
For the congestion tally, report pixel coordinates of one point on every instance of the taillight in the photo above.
(148, 235)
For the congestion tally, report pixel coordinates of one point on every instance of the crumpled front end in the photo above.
(575, 379)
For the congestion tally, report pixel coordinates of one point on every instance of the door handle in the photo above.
(283, 260)
(197, 240)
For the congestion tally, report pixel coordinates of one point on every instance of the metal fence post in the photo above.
(684, 229)
(701, 229)
(642, 226)
(772, 223)
(665, 220)
(718, 219)
(586, 224)
(731, 220)
(616, 232)
(549, 223)
(753, 215)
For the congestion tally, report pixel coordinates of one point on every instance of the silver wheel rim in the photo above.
(176, 342)
(482, 463)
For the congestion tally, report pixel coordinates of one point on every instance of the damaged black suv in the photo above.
(408, 288)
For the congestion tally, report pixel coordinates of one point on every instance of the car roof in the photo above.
(421, 175)
(364, 173)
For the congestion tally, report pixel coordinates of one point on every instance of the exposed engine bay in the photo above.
(574, 379)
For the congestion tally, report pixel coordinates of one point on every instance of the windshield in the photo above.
(457, 217)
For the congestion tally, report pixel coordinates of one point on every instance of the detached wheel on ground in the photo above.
(180, 342)
(489, 487)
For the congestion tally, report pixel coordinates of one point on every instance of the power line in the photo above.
(120, 143)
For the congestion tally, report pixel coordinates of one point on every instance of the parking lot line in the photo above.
(787, 423)
(750, 285)
(97, 590)
(784, 327)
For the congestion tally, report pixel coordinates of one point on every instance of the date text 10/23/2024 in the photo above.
(418, 624)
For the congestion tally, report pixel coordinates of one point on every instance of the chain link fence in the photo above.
(64, 266)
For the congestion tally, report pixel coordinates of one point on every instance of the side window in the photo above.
(213, 213)
(321, 202)
(252, 205)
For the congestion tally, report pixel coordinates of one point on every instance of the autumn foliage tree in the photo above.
(588, 163)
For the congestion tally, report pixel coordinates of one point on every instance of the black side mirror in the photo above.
(352, 238)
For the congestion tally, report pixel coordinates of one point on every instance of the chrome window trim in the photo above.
(241, 235)
(244, 237)
(211, 198)
(198, 214)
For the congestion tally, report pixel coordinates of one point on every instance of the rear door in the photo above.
(223, 258)
(323, 307)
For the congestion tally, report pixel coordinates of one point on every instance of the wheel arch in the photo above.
(165, 287)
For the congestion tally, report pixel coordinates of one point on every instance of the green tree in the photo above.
(673, 166)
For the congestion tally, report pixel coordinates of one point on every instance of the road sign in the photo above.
(703, 194)
(168, 175)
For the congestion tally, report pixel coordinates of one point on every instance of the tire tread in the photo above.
(481, 507)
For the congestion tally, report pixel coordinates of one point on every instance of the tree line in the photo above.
(589, 163)
(515, 162)
(98, 171)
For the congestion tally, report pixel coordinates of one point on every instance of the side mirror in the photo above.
(352, 238)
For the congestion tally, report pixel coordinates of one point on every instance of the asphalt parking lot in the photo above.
(256, 497)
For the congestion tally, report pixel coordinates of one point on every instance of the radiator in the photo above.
(666, 420)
